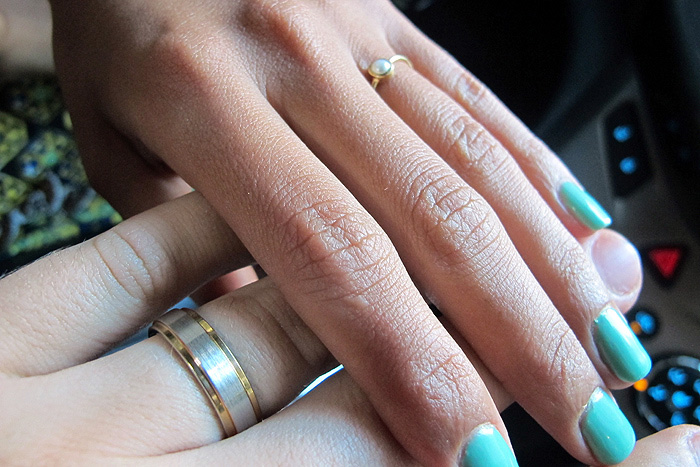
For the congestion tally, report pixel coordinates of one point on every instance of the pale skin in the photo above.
(356, 202)
(141, 406)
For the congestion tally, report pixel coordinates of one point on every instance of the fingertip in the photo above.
(678, 445)
(619, 265)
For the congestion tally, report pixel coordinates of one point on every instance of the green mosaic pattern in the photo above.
(13, 191)
(45, 199)
(13, 137)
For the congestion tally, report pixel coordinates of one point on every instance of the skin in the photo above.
(357, 203)
(141, 406)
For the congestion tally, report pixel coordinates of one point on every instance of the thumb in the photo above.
(672, 447)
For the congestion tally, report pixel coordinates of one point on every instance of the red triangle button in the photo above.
(666, 261)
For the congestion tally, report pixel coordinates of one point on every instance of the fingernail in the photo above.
(487, 448)
(619, 347)
(617, 262)
(606, 430)
(583, 206)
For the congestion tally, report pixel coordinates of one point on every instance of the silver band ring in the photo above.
(384, 68)
(214, 367)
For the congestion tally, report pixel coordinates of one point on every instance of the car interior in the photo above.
(611, 87)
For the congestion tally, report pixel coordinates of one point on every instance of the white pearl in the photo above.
(380, 67)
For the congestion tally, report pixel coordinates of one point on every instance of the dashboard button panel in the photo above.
(670, 394)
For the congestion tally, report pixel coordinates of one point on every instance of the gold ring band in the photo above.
(214, 367)
(384, 68)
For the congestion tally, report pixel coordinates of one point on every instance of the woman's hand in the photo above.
(354, 200)
(60, 404)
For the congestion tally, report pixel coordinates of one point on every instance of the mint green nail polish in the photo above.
(619, 347)
(582, 205)
(606, 430)
(487, 448)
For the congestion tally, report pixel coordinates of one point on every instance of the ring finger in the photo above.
(145, 400)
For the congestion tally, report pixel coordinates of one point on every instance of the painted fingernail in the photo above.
(583, 206)
(619, 347)
(606, 430)
(487, 448)
(617, 262)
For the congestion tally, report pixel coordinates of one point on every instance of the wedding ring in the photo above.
(384, 68)
(214, 367)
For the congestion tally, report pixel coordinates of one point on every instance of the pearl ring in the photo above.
(383, 68)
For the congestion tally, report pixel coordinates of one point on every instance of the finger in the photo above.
(145, 399)
(91, 296)
(579, 212)
(672, 447)
(330, 258)
(149, 404)
(553, 255)
(336, 423)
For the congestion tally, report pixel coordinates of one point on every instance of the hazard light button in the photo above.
(665, 262)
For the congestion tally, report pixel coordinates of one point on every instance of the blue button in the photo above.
(696, 413)
(658, 393)
(629, 165)
(696, 386)
(678, 419)
(677, 376)
(622, 133)
(646, 321)
(682, 400)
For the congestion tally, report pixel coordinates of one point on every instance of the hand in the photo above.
(61, 405)
(349, 198)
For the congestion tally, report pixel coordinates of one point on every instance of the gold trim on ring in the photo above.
(214, 367)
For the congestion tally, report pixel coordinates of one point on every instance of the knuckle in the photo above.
(329, 242)
(534, 150)
(134, 262)
(292, 28)
(448, 372)
(469, 89)
(562, 359)
(442, 384)
(475, 151)
(180, 63)
(171, 54)
(296, 30)
(459, 226)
